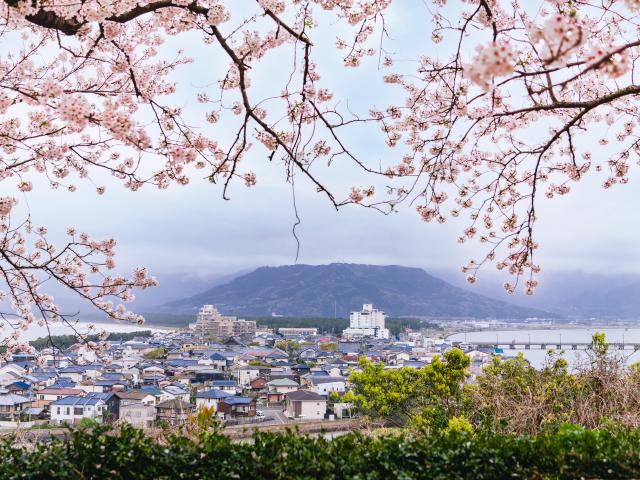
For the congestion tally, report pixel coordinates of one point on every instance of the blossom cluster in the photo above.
(96, 87)
(494, 60)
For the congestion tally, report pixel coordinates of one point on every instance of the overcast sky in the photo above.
(193, 230)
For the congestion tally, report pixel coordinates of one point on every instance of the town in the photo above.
(243, 373)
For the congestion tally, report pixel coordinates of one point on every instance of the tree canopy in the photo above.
(426, 396)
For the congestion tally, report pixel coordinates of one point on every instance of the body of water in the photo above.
(36, 331)
(551, 337)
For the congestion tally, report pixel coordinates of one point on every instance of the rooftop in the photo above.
(77, 400)
(213, 394)
(305, 396)
(238, 400)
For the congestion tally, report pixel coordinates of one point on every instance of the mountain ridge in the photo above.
(322, 290)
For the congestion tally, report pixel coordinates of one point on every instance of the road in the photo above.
(274, 415)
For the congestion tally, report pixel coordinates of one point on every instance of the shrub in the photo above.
(101, 453)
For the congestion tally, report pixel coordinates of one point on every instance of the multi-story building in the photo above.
(297, 331)
(211, 322)
(368, 322)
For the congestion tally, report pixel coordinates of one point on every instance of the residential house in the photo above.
(159, 395)
(233, 407)
(219, 361)
(277, 389)
(276, 355)
(177, 392)
(257, 386)
(204, 375)
(309, 353)
(64, 382)
(93, 371)
(18, 387)
(12, 405)
(72, 372)
(174, 412)
(153, 374)
(138, 414)
(211, 398)
(174, 354)
(324, 384)
(109, 385)
(305, 404)
(73, 409)
(11, 372)
(301, 369)
(47, 395)
(226, 385)
(246, 374)
(324, 357)
(135, 397)
(111, 412)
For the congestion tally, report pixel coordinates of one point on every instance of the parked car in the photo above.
(259, 413)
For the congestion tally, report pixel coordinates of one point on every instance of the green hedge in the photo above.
(571, 453)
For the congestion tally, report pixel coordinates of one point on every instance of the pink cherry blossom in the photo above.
(482, 127)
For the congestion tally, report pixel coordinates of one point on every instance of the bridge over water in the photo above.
(558, 345)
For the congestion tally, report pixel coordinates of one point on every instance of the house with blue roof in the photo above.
(74, 408)
(219, 361)
(106, 385)
(64, 382)
(20, 387)
(26, 364)
(42, 378)
(226, 385)
(183, 362)
(234, 407)
(111, 402)
(210, 398)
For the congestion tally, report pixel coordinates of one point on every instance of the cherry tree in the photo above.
(88, 90)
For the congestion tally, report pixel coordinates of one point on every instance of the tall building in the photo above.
(368, 322)
(210, 322)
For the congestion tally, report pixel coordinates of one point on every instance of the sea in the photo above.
(82, 327)
(550, 336)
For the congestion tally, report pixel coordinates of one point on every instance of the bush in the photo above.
(101, 453)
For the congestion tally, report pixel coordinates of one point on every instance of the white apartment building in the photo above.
(368, 322)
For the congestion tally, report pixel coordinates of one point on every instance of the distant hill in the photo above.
(607, 302)
(314, 290)
(571, 294)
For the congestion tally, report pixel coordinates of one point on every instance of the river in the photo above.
(551, 336)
